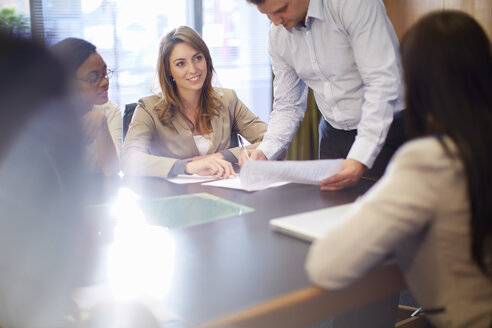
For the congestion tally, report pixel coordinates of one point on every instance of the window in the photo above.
(237, 35)
(127, 33)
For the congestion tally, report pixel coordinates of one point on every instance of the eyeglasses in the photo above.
(95, 78)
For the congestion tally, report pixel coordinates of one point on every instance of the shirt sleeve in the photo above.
(373, 43)
(247, 124)
(398, 207)
(289, 105)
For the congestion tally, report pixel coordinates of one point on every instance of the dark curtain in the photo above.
(304, 146)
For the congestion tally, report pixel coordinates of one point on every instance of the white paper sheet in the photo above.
(235, 183)
(311, 225)
(193, 178)
(256, 175)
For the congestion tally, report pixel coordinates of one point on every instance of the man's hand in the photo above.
(254, 155)
(348, 175)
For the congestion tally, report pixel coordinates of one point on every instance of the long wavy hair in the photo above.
(170, 104)
(447, 65)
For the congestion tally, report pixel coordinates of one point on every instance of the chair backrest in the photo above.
(127, 116)
(234, 142)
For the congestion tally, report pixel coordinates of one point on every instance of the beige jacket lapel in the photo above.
(184, 132)
(218, 130)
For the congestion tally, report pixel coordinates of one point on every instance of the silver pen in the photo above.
(242, 146)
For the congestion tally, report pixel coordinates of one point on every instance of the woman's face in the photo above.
(188, 67)
(92, 81)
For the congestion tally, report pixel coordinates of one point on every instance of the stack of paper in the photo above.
(259, 175)
(256, 175)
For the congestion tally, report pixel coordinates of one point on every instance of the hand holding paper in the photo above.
(350, 172)
(257, 175)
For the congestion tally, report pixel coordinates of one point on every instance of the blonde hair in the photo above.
(170, 104)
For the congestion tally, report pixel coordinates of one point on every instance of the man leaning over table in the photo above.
(347, 52)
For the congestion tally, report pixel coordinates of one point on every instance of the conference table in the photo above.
(236, 271)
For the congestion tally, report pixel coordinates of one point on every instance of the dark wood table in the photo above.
(228, 265)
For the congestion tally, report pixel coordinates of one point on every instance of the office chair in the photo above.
(127, 117)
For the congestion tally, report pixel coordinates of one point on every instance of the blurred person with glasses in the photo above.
(102, 122)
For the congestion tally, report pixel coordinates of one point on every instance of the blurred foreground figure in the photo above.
(42, 235)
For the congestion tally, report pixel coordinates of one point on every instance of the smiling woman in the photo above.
(186, 126)
(102, 121)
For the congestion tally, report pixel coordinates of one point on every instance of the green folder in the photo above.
(181, 211)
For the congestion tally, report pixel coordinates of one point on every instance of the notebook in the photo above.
(311, 225)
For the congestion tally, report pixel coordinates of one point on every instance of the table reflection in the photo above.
(140, 259)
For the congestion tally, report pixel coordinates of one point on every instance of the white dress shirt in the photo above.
(348, 54)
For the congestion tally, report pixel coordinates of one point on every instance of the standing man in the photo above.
(347, 52)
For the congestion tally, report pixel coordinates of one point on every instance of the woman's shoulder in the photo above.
(225, 94)
(108, 108)
(429, 151)
(150, 101)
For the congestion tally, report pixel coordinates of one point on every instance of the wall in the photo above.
(403, 13)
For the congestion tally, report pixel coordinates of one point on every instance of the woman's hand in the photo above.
(211, 165)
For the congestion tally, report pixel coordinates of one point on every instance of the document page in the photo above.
(235, 183)
(193, 178)
(257, 175)
(311, 225)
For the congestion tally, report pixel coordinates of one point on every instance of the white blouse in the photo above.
(203, 144)
(115, 125)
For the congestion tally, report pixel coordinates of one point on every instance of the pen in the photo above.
(242, 146)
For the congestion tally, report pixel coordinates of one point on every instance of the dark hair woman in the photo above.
(102, 120)
(432, 210)
(43, 239)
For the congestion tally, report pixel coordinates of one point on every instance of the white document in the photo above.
(235, 183)
(311, 225)
(256, 175)
(193, 178)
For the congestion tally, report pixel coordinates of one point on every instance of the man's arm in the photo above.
(289, 106)
(375, 51)
(374, 48)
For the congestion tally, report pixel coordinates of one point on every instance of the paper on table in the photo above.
(193, 178)
(312, 225)
(257, 175)
(235, 183)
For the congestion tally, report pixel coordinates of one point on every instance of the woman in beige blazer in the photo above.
(432, 210)
(186, 127)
